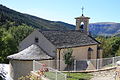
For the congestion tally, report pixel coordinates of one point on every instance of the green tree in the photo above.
(20, 32)
(118, 52)
(115, 43)
(110, 45)
(105, 45)
(8, 45)
(8, 24)
(10, 38)
(68, 58)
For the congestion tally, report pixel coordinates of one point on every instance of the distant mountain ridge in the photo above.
(8, 15)
(105, 28)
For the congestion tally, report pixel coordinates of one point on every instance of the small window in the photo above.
(36, 40)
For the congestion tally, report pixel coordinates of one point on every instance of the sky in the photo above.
(67, 10)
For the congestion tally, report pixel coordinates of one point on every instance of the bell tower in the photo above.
(82, 23)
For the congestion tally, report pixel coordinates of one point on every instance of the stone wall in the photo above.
(79, 53)
(20, 68)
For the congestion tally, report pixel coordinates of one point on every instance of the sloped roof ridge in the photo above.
(68, 38)
(32, 52)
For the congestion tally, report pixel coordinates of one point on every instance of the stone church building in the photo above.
(50, 45)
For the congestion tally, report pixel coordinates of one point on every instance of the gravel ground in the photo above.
(104, 75)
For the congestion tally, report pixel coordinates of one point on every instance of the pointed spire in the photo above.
(82, 10)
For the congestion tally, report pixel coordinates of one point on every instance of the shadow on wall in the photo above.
(81, 65)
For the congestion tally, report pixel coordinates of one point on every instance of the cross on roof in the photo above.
(82, 10)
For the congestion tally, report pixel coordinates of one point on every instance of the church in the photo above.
(49, 45)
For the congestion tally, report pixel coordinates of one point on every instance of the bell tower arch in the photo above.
(82, 23)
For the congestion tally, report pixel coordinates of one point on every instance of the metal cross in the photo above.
(82, 9)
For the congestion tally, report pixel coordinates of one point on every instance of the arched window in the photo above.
(82, 26)
(99, 52)
(90, 51)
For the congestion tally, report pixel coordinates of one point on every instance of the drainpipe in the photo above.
(59, 59)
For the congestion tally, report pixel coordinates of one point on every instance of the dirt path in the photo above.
(104, 75)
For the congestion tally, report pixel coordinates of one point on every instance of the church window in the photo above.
(90, 51)
(82, 26)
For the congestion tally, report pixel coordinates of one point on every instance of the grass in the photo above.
(72, 76)
(79, 76)
(52, 76)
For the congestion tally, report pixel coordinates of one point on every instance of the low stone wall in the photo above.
(89, 71)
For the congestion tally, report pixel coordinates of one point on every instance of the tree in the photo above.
(20, 32)
(105, 44)
(7, 45)
(110, 45)
(115, 45)
(68, 58)
(10, 38)
(118, 52)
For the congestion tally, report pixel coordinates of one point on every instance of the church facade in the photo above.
(50, 45)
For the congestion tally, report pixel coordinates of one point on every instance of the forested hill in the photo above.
(11, 17)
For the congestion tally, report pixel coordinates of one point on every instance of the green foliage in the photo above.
(8, 45)
(118, 52)
(20, 32)
(110, 46)
(9, 40)
(68, 56)
(114, 43)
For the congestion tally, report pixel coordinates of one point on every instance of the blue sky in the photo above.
(67, 10)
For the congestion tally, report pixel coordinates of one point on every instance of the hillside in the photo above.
(9, 18)
(8, 15)
(105, 28)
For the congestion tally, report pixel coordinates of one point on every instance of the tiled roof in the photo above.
(33, 52)
(70, 38)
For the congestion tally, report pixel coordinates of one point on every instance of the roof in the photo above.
(69, 38)
(33, 52)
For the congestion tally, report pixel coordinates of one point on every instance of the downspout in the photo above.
(59, 59)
